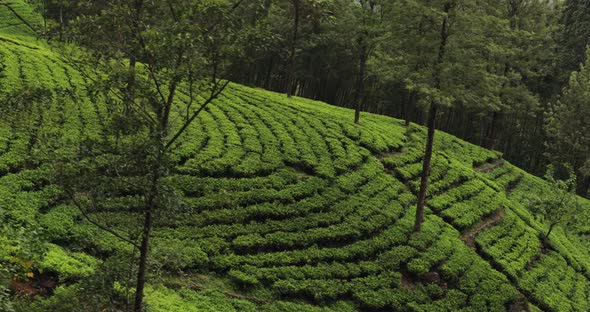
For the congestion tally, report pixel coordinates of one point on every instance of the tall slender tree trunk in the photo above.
(360, 83)
(431, 124)
(483, 131)
(404, 107)
(426, 168)
(267, 79)
(143, 255)
(131, 78)
(147, 223)
(493, 131)
(145, 242)
(410, 107)
(291, 70)
(45, 13)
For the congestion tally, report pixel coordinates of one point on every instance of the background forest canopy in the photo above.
(507, 81)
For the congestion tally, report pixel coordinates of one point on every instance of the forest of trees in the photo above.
(499, 84)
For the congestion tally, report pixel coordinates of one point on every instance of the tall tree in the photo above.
(154, 50)
(313, 11)
(451, 52)
(431, 123)
(515, 126)
(369, 30)
(293, 49)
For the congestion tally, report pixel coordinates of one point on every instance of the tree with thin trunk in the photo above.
(302, 11)
(147, 71)
(445, 53)
(431, 123)
(293, 47)
(559, 206)
(369, 33)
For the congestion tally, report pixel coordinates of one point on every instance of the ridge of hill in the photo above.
(289, 206)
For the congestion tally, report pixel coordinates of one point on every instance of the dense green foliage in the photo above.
(568, 127)
(285, 205)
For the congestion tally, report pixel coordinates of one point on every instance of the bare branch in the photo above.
(157, 83)
(97, 224)
(172, 89)
(214, 94)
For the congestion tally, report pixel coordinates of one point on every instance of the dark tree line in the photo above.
(358, 54)
(505, 82)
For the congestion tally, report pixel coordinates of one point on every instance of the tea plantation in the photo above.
(287, 206)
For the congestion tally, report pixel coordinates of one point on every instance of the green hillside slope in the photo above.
(288, 206)
(11, 27)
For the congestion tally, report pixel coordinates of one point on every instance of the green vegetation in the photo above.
(281, 204)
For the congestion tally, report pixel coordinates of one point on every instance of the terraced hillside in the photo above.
(287, 206)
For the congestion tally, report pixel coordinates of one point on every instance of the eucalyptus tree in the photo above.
(293, 48)
(149, 53)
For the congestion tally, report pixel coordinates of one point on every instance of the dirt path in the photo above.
(489, 167)
(469, 236)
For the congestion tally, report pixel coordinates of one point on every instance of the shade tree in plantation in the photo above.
(257, 45)
(517, 40)
(296, 4)
(453, 52)
(559, 207)
(155, 52)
